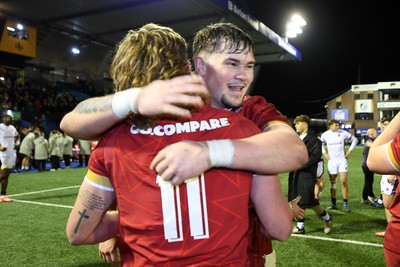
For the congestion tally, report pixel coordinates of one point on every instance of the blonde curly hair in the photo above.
(149, 53)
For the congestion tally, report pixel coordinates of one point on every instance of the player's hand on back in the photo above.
(174, 97)
(182, 160)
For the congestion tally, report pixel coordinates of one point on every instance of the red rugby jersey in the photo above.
(202, 222)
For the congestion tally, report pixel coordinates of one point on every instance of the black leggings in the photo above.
(55, 162)
(368, 183)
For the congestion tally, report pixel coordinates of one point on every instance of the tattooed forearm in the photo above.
(92, 201)
(93, 105)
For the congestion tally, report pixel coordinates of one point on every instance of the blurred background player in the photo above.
(368, 196)
(302, 182)
(8, 156)
(337, 157)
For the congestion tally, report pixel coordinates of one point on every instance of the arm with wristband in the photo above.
(259, 153)
(94, 116)
(125, 102)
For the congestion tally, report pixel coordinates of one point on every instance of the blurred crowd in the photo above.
(37, 107)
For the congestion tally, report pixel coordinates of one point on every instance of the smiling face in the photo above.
(227, 76)
(223, 55)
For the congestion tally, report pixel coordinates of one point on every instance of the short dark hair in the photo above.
(385, 119)
(302, 118)
(333, 121)
(221, 37)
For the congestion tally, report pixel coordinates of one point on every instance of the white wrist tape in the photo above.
(124, 102)
(221, 152)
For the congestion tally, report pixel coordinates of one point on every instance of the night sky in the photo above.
(342, 44)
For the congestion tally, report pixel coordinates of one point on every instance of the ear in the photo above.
(188, 68)
(199, 65)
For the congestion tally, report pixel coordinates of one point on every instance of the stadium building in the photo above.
(364, 105)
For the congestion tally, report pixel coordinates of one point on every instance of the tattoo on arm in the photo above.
(93, 105)
(91, 202)
(82, 215)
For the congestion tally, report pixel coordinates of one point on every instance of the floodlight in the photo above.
(293, 27)
(298, 20)
(75, 50)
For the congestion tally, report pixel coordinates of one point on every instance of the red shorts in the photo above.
(392, 258)
(259, 245)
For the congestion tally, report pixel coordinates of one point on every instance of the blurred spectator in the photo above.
(67, 150)
(55, 145)
(84, 152)
(26, 149)
(368, 196)
(41, 150)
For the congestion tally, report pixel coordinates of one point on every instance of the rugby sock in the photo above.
(300, 225)
(325, 216)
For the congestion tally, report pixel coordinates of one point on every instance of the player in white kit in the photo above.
(8, 134)
(334, 139)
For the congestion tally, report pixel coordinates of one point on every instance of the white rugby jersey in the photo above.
(335, 142)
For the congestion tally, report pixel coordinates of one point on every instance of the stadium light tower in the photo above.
(294, 26)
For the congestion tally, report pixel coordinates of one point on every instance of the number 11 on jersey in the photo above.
(172, 212)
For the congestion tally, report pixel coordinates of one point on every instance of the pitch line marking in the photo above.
(42, 203)
(43, 191)
(340, 240)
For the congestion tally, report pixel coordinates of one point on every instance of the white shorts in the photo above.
(337, 165)
(8, 160)
(388, 188)
(320, 169)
